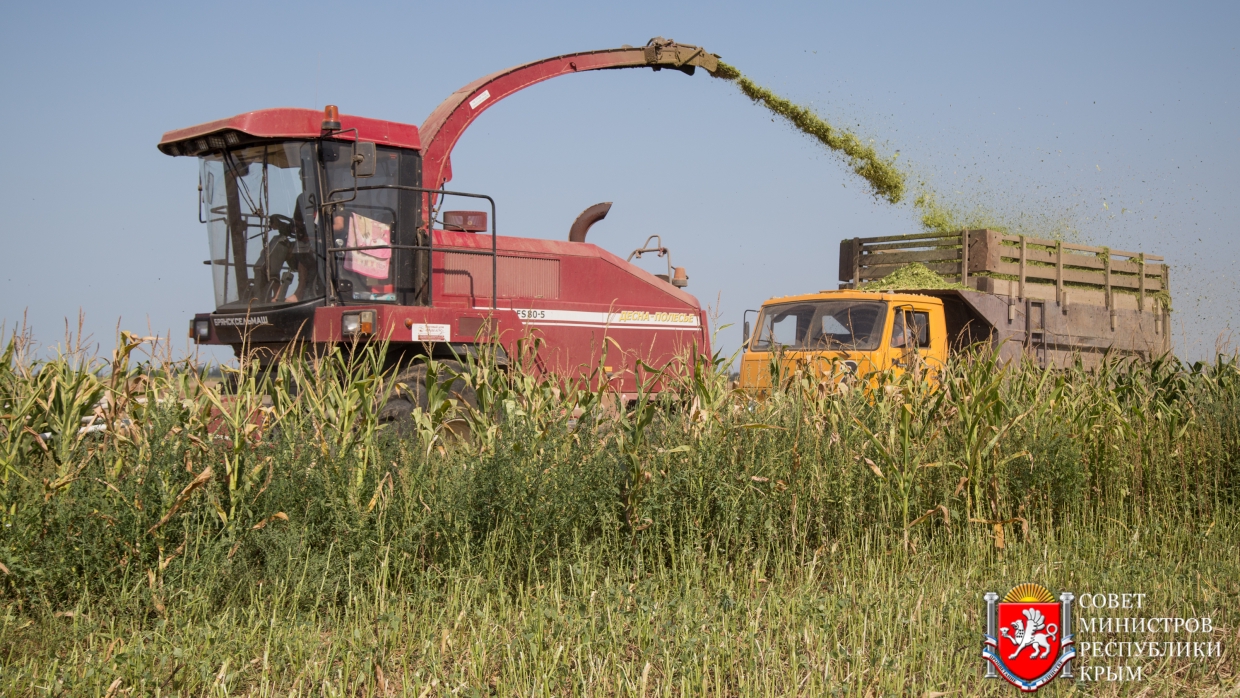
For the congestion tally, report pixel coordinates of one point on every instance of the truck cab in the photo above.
(834, 332)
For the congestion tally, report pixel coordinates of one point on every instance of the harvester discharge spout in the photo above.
(444, 127)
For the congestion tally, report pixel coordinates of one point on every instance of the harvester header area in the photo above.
(329, 228)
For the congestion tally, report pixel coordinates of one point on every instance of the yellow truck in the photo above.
(856, 331)
(1051, 301)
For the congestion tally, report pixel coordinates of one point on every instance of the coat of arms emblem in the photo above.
(1028, 638)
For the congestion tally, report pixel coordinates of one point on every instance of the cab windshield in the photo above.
(261, 222)
(821, 326)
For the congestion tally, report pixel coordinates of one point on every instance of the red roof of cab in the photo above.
(299, 123)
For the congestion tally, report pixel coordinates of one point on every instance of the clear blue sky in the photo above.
(1049, 109)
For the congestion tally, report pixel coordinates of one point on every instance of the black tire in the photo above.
(403, 400)
(398, 411)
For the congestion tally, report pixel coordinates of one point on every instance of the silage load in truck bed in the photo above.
(1056, 303)
(912, 276)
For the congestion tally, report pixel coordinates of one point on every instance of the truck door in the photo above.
(912, 335)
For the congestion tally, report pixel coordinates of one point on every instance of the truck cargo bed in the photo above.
(1054, 301)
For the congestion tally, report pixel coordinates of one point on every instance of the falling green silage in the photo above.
(887, 180)
(938, 217)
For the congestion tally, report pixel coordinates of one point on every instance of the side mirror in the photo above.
(364, 158)
(745, 326)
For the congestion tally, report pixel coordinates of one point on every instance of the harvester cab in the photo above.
(302, 214)
(326, 228)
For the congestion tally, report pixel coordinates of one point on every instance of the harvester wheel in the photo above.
(399, 408)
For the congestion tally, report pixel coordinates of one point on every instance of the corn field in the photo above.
(269, 534)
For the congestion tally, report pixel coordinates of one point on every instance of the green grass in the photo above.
(852, 618)
(703, 545)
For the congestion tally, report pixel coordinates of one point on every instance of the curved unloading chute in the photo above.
(443, 128)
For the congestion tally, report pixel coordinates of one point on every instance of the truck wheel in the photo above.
(399, 408)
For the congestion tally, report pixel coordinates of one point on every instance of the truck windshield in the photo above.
(821, 326)
(261, 224)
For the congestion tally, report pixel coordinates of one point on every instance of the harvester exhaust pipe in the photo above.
(588, 217)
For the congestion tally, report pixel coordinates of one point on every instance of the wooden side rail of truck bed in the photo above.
(1055, 300)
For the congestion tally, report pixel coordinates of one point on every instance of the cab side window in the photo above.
(921, 329)
(911, 329)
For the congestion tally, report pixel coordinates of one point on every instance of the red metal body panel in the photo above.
(604, 306)
(298, 123)
(393, 321)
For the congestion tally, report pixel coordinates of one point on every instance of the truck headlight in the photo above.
(357, 324)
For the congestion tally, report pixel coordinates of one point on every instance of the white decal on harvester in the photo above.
(432, 333)
(473, 103)
(637, 319)
(245, 321)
